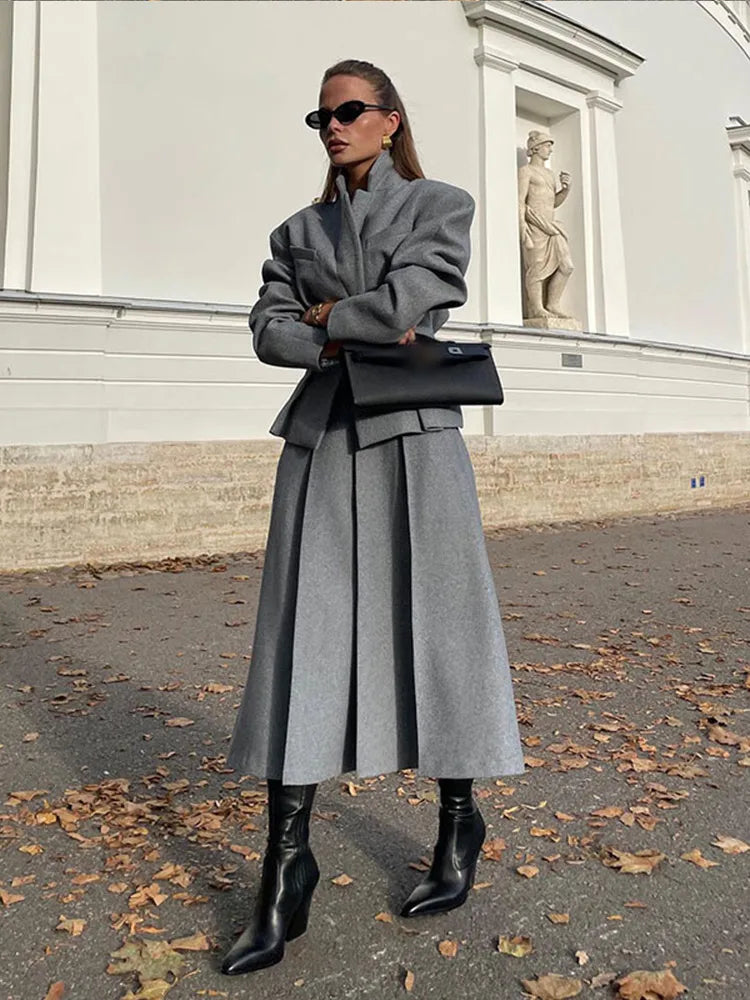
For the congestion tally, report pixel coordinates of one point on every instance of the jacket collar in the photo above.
(352, 213)
(381, 173)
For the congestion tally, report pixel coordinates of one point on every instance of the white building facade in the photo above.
(147, 150)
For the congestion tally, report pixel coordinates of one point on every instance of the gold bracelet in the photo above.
(315, 312)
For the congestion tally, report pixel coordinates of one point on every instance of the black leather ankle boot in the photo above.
(290, 874)
(461, 833)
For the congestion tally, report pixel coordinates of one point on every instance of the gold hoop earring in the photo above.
(386, 142)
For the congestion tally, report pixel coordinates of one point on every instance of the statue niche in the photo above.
(545, 253)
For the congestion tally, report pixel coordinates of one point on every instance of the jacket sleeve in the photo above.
(279, 336)
(426, 272)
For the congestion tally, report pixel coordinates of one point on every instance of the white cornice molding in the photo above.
(737, 28)
(596, 99)
(555, 31)
(739, 138)
(495, 333)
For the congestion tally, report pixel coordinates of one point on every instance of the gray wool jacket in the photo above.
(395, 254)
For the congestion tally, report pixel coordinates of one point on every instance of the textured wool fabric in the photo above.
(378, 639)
(394, 255)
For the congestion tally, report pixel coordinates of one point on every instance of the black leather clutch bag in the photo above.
(426, 372)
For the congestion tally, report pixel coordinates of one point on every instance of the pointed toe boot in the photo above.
(290, 874)
(461, 833)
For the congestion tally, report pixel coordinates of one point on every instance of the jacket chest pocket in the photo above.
(378, 249)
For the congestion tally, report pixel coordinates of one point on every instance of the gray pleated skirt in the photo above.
(378, 639)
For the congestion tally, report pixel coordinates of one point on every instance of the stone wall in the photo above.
(105, 503)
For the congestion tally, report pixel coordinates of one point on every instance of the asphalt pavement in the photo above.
(121, 826)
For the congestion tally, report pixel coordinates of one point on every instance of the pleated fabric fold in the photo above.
(378, 639)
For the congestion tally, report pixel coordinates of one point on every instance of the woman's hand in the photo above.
(322, 315)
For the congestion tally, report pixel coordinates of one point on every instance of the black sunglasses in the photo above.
(346, 113)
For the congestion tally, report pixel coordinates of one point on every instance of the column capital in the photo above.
(603, 102)
(487, 55)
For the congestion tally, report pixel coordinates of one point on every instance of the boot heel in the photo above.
(298, 923)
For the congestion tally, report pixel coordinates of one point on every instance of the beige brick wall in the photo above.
(522, 480)
(66, 504)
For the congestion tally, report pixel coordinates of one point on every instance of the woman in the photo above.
(378, 642)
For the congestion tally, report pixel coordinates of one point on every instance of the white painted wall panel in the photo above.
(72, 425)
(204, 149)
(101, 392)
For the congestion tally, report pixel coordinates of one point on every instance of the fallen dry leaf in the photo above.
(725, 736)
(608, 812)
(26, 795)
(581, 957)
(423, 865)
(553, 987)
(528, 871)
(730, 845)
(642, 985)
(196, 942)
(84, 879)
(493, 849)
(150, 989)
(56, 991)
(247, 852)
(21, 880)
(168, 871)
(146, 894)
(409, 981)
(697, 858)
(8, 898)
(343, 879)
(635, 863)
(31, 849)
(73, 927)
(603, 979)
(518, 946)
(151, 960)
(448, 948)
(534, 761)
(354, 789)
(385, 917)
(178, 721)
(559, 918)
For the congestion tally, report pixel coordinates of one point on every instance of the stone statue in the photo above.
(545, 253)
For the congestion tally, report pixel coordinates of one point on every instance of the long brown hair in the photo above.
(403, 150)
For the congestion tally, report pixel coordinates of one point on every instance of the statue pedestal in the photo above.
(553, 323)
